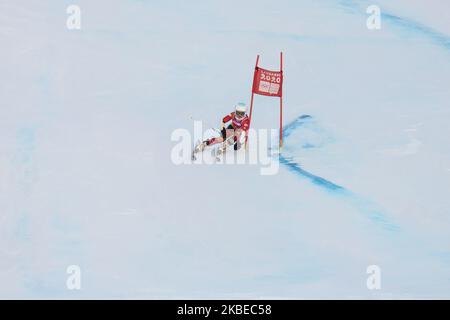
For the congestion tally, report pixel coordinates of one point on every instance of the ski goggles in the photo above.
(240, 114)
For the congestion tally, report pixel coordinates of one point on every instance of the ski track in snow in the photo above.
(403, 23)
(362, 204)
(369, 208)
(438, 38)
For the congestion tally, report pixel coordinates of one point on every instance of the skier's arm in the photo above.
(226, 119)
(243, 130)
(245, 126)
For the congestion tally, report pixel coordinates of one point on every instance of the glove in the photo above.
(222, 126)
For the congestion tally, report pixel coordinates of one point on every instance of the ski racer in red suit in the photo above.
(239, 125)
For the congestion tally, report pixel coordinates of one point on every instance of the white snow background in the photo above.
(86, 176)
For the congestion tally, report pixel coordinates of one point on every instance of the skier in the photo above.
(240, 124)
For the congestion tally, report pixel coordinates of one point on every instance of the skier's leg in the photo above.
(213, 141)
(226, 133)
(227, 137)
(237, 139)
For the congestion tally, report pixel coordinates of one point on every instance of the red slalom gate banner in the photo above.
(268, 83)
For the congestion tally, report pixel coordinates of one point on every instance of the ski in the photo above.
(199, 147)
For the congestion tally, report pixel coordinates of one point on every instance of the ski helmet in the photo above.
(241, 109)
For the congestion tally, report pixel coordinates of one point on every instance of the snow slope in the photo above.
(86, 176)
